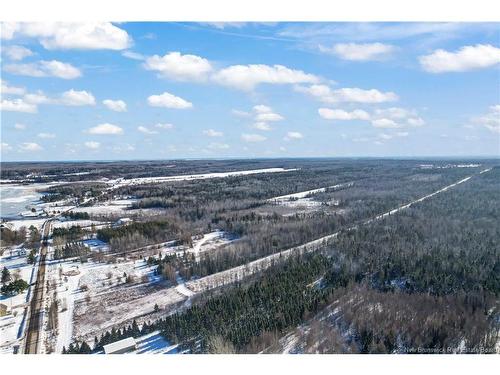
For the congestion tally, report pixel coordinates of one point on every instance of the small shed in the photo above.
(119, 347)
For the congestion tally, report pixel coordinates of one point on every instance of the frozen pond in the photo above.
(14, 199)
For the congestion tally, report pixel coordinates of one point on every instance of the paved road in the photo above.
(34, 325)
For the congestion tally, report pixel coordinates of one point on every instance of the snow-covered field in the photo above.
(116, 207)
(11, 325)
(147, 180)
(303, 199)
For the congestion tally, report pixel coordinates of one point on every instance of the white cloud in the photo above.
(106, 129)
(115, 105)
(5, 147)
(466, 58)
(239, 113)
(212, 133)
(261, 108)
(38, 98)
(490, 120)
(253, 137)
(164, 126)
(17, 53)
(30, 147)
(146, 130)
(262, 126)
(386, 137)
(385, 123)
(61, 35)
(43, 68)
(180, 67)
(12, 90)
(77, 98)
(269, 117)
(293, 135)
(247, 77)
(19, 126)
(264, 114)
(218, 146)
(168, 100)
(46, 135)
(133, 55)
(360, 52)
(395, 117)
(92, 145)
(354, 95)
(339, 114)
(17, 105)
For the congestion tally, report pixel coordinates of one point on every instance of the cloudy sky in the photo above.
(183, 90)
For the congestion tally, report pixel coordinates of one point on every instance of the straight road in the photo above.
(34, 325)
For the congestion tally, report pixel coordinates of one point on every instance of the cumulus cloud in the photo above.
(46, 135)
(212, 133)
(38, 98)
(261, 108)
(396, 117)
(354, 95)
(16, 53)
(63, 35)
(146, 130)
(240, 113)
(360, 51)
(168, 100)
(253, 137)
(10, 90)
(17, 105)
(30, 147)
(92, 145)
(115, 105)
(385, 123)
(43, 68)
(247, 77)
(19, 126)
(77, 98)
(490, 120)
(466, 58)
(164, 126)
(263, 115)
(218, 146)
(262, 126)
(339, 114)
(293, 135)
(179, 67)
(269, 117)
(106, 129)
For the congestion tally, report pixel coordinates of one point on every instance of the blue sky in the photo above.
(191, 90)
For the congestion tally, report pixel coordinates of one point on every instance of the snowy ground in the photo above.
(116, 207)
(11, 325)
(147, 180)
(154, 343)
(303, 199)
(76, 223)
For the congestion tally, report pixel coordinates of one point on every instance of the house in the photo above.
(119, 347)
(122, 221)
